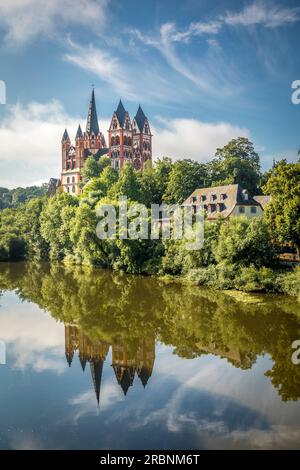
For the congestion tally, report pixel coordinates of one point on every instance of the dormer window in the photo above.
(213, 197)
(223, 196)
(203, 198)
(245, 194)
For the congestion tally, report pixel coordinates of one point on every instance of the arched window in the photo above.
(112, 141)
(68, 189)
(117, 140)
(129, 141)
(73, 189)
(125, 139)
(68, 180)
(73, 179)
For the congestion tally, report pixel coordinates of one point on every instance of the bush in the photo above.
(244, 241)
(291, 282)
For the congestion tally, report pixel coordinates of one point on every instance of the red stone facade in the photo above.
(128, 142)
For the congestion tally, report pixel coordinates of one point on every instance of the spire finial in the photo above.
(92, 118)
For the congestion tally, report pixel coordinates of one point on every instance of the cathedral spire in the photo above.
(65, 136)
(140, 118)
(79, 133)
(92, 125)
(96, 371)
(121, 113)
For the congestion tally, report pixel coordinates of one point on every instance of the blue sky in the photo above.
(204, 72)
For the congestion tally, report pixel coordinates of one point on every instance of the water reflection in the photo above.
(103, 310)
(128, 359)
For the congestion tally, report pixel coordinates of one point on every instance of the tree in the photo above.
(246, 242)
(99, 187)
(150, 187)
(36, 245)
(241, 148)
(283, 211)
(56, 223)
(236, 163)
(90, 169)
(163, 168)
(104, 162)
(184, 177)
(127, 185)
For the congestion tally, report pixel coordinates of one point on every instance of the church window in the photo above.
(117, 141)
(73, 179)
(68, 180)
(73, 189)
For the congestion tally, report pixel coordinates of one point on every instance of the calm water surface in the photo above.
(97, 360)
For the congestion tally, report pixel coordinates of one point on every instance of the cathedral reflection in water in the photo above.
(128, 358)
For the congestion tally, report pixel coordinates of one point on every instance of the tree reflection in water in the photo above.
(130, 313)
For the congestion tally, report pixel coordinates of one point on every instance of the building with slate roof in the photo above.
(226, 201)
(128, 142)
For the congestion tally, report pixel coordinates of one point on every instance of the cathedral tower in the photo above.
(142, 140)
(120, 138)
(91, 142)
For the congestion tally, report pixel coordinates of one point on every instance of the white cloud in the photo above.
(31, 142)
(85, 402)
(263, 13)
(196, 29)
(23, 20)
(23, 328)
(190, 138)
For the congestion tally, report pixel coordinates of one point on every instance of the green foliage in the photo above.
(245, 241)
(239, 148)
(98, 187)
(90, 169)
(127, 185)
(184, 177)
(56, 222)
(283, 211)
(15, 197)
(109, 306)
(236, 163)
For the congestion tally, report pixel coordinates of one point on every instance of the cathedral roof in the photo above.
(125, 376)
(121, 113)
(92, 118)
(82, 360)
(144, 375)
(140, 118)
(98, 154)
(69, 357)
(96, 370)
(65, 136)
(79, 132)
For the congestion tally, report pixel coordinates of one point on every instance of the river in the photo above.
(93, 359)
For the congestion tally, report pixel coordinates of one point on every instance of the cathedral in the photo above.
(129, 360)
(129, 141)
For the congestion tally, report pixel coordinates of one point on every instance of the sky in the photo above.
(204, 72)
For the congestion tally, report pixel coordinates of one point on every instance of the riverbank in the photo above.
(243, 279)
